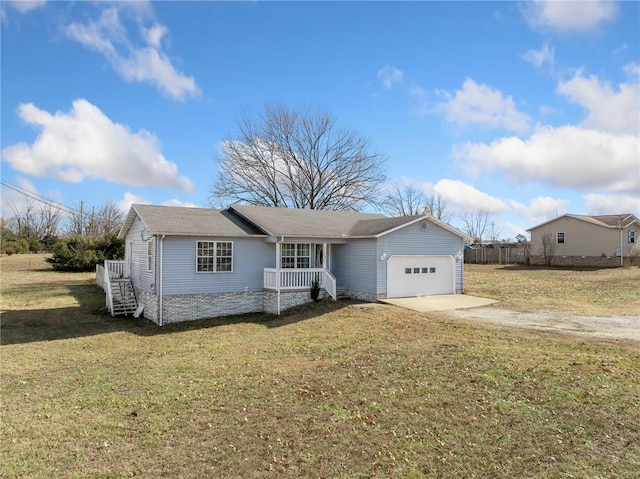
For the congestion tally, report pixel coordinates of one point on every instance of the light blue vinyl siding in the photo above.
(137, 249)
(410, 240)
(250, 257)
(354, 265)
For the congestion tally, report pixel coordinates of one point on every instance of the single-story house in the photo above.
(583, 240)
(190, 263)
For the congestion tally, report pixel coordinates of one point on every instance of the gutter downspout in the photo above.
(621, 250)
(160, 261)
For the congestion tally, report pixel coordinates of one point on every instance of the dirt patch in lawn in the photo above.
(613, 328)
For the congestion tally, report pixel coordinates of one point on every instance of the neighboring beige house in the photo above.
(581, 240)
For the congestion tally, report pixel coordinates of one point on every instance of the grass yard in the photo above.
(328, 391)
(598, 292)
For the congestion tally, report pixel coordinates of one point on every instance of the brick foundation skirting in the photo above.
(150, 302)
(288, 300)
(361, 295)
(188, 307)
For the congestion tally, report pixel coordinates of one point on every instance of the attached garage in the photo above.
(420, 275)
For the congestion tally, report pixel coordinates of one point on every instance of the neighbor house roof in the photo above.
(606, 221)
(181, 221)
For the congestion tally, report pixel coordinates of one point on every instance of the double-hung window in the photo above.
(632, 236)
(295, 255)
(560, 237)
(214, 256)
(149, 255)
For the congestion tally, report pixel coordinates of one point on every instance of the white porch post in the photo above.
(325, 256)
(278, 249)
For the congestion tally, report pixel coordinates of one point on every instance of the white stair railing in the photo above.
(329, 283)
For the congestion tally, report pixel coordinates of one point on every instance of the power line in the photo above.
(40, 198)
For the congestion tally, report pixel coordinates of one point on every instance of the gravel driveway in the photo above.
(614, 328)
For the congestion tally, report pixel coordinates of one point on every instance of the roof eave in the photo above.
(128, 222)
(429, 218)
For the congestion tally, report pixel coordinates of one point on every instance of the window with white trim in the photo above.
(214, 256)
(295, 255)
(149, 255)
(632, 236)
(560, 237)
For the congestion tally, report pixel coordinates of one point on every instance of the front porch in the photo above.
(299, 280)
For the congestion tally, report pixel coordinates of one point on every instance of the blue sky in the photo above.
(525, 110)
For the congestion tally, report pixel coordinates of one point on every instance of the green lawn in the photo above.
(328, 391)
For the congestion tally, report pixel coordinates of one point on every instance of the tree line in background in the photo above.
(77, 239)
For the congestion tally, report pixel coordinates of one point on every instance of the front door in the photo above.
(321, 260)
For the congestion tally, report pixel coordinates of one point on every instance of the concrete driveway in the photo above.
(440, 302)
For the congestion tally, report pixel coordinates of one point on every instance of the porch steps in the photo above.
(124, 298)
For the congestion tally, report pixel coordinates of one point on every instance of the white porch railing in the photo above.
(117, 269)
(299, 279)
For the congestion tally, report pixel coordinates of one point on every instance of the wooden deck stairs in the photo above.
(123, 298)
(114, 278)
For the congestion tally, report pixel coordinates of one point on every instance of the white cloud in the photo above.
(569, 16)
(131, 198)
(147, 63)
(632, 70)
(479, 104)
(85, 143)
(389, 75)
(25, 6)
(598, 204)
(420, 100)
(540, 209)
(539, 57)
(567, 156)
(467, 198)
(609, 110)
(153, 35)
(177, 202)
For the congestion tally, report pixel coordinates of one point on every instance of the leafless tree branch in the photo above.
(298, 159)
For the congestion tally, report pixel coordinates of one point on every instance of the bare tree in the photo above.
(548, 247)
(411, 201)
(48, 222)
(476, 224)
(525, 246)
(106, 219)
(95, 222)
(404, 201)
(494, 232)
(37, 222)
(298, 159)
(438, 208)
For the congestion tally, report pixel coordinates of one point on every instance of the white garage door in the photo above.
(420, 276)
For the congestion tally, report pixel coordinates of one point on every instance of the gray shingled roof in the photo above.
(303, 223)
(373, 227)
(327, 224)
(243, 220)
(610, 221)
(181, 221)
